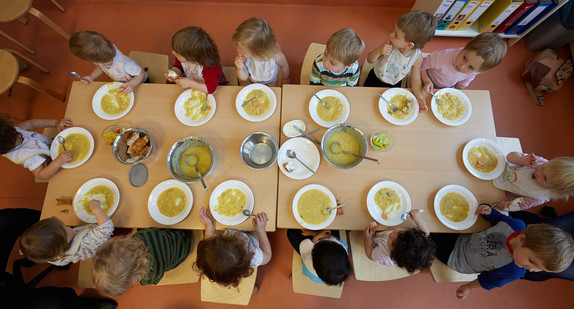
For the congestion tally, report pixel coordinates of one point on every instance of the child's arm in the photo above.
(419, 221)
(427, 82)
(241, 69)
(464, 290)
(133, 83)
(521, 159)
(259, 223)
(284, 66)
(369, 232)
(208, 223)
(416, 84)
(459, 86)
(185, 82)
(321, 235)
(493, 216)
(98, 211)
(45, 172)
(382, 50)
(34, 124)
(177, 71)
(520, 203)
(97, 72)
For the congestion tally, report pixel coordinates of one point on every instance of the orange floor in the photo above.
(148, 26)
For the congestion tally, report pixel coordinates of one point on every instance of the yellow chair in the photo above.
(156, 64)
(442, 273)
(509, 144)
(16, 9)
(314, 50)
(231, 75)
(215, 293)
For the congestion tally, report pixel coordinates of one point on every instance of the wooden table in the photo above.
(426, 155)
(154, 111)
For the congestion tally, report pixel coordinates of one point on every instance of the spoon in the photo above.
(62, 141)
(75, 75)
(204, 106)
(324, 104)
(394, 108)
(405, 216)
(292, 155)
(194, 164)
(337, 149)
(435, 97)
(247, 212)
(247, 102)
(328, 210)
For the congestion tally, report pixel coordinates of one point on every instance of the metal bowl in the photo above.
(355, 132)
(120, 147)
(176, 151)
(258, 150)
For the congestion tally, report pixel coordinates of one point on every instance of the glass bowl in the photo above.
(381, 140)
(110, 133)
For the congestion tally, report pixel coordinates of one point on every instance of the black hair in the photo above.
(8, 134)
(413, 250)
(331, 262)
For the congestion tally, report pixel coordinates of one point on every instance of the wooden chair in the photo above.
(16, 9)
(231, 75)
(367, 270)
(314, 50)
(443, 273)
(509, 144)
(214, 293)
(156, 64)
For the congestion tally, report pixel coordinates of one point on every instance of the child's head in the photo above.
(558, 175)
(254, 38)
(193, 44)
(331, 262)
(544, 248)
(224, 258)
(344, 47)
(8, 135)
(92, 46)
(411, 249)
(483, 52)
(46, 240)
(119, 264)
(413, 30)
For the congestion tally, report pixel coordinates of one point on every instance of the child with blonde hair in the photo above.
(227, 257)
(402, 54)
(96, 48)
(339, 65)
(531, 180)
(259, 56)
(197, 64)
(50, 240)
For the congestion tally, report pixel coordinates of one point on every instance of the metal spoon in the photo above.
(394, 108)
(62, 141)
(292, 155)
(194, 164)
(247, 102)
(204, 106)
(248, 213)
(75, 75)
(405, 216)
(324, 104)
(337, 149)
(435, 97)
(328, 210)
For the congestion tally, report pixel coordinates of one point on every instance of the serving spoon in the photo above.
(336, 148)
(62, 141)
(193, 163)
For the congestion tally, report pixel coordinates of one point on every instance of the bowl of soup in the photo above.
(347, 139)
(186, 153)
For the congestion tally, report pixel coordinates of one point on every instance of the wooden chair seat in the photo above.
(231, 76)
(509, 144)
(314, 50)
(442, 273)
(16, 9)
(157, 65)
(215, 293)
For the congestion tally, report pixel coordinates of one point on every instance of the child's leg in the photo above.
(444, 245)
(295, 238)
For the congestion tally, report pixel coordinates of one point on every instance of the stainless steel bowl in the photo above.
(176, 151)
(355, 132)
(120, 147)
(258, 150)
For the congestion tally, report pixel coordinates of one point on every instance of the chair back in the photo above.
(314, 50)
(156, 64)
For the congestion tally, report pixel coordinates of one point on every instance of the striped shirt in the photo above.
(168, 249)
(322, 76)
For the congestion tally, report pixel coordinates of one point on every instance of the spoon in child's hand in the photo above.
(247, 212)
(62, 141)
(405, 216)
(75, 75)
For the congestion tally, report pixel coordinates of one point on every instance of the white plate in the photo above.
(55, 144)
(493, 146)
(314, 226)
(329, 93)
(465, 100)
(231, 184)
(87, 186)
(470, 220)
(245, 92)
(389, 94)
(180, 110)
(306, 151)
(159, 189)
(97, 99)
(375, 210)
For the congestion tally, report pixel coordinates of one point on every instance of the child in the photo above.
(197, 57)
(401, 54)
(457, 67)
(325, 257)
(530, 180)
(338, 66)
(31, 149)
(410, 249)
(259, 56)
(144, 258)
(50, 240)
(227, 257)
(94, 47)
(504, 252)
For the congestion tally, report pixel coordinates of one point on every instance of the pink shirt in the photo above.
(440, 67)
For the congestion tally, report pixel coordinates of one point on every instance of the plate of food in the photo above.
(170, 202)
(405, 101)
(387, 201)
(309, 206)
(455, 206)
(306, 151)
(101, 189)
(229, 199)
(261, 102)
(79, 141)
(188, 108)
(483, 158)
(453, 107)
(336, 110)
(110, 104)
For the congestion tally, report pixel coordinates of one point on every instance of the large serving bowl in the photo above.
(355, 133)
(176, 153)
(258, 150)
(120, 146)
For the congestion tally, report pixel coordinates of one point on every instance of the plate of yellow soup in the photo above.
(309, 204)
(453, 107)
(387, 201)
(261, 107)
(336, 110)
(405, 101)
(483, 158)
(229, 199)
(78, 140)
(110, 104)
(188, 108)
(455, 206)
(170, 202)
(101, 189)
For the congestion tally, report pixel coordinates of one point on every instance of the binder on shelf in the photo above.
(515, 16)
(463, 14)
(442, 8)
(451, 14)
(467, 23)
(536, 18)
(496, 14)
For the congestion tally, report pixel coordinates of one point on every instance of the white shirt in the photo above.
(392, 68)
(262, 71)
(33, 152)
(122, 69)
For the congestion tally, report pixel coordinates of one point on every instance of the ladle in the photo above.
(336, 148)
(194, 159)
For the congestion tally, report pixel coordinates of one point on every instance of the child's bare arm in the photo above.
(98, 211)
(97, 72)
(464, 290)
(368, 233)
(190, 83)
(416, 84)
(259, 223)
(45, 172)
(321, 235)
(382, 50)
(459, 86)
(241, 69)
(34, 124)
(207, 222)
(133, 83)
(427, 83)
(284, 67)
(524, 160)
(419, 221)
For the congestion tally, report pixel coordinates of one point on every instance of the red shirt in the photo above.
(212, 76)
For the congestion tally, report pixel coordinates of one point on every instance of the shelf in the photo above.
(470, 32)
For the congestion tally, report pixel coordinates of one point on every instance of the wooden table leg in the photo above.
(26, 81)
(13, 40)
(49, 22)
(32, 62)
(58, 5)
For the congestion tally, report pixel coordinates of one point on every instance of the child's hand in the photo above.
(126, 88)
(239, 62)
(306, 232)
(428, 87)
(64, 157)
(527, 160)
(63, 124)
(387, 48)
(369, 232)
(322, 235)
(462, 292)
(259, 222)
(94, 204)
(503, 205)
(422, 105)
(204, 218)
(87, 79)
(184, 82)
(415, 214)
(483, 210)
